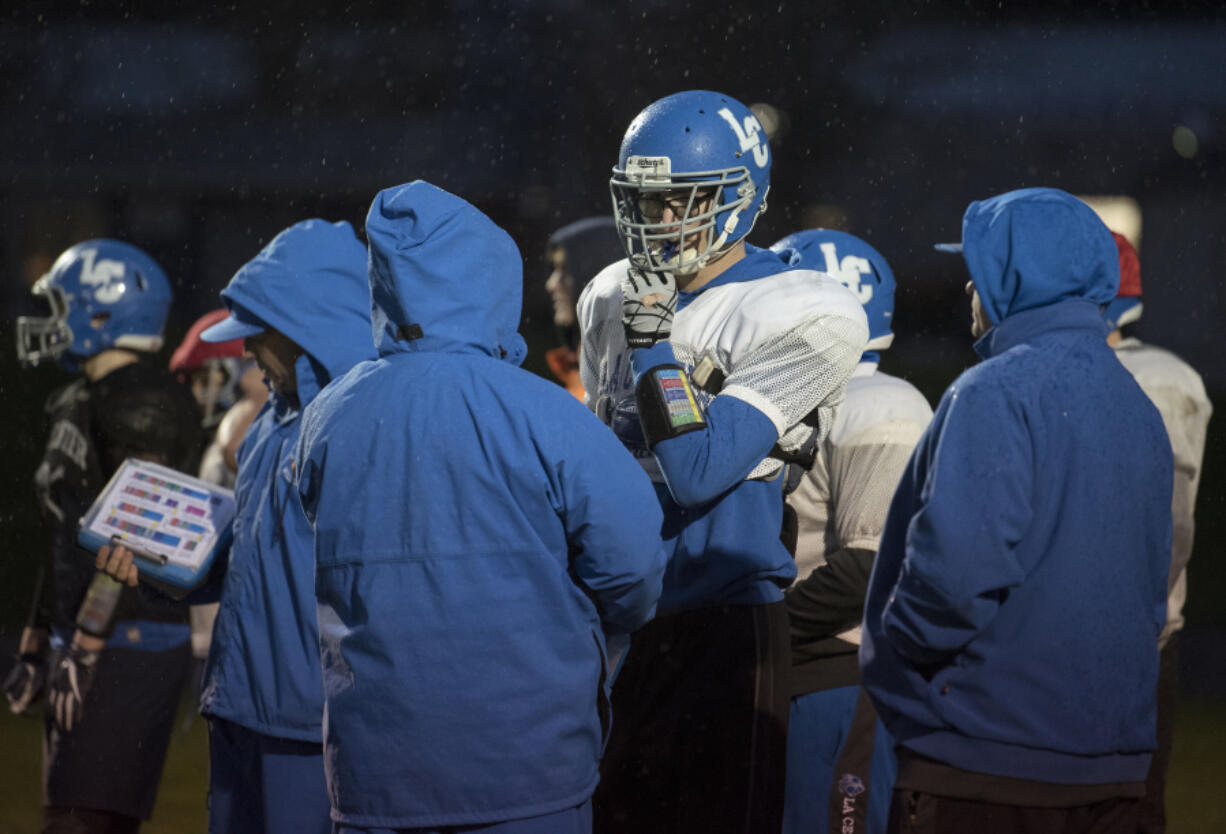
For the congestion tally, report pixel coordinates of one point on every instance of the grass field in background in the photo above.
(180, 806)
(1195, 798)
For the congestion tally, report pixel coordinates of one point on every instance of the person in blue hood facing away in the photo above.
(1013, 611)
(478, 534)
(302, 307)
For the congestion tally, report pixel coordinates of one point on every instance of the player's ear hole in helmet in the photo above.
(101, 294)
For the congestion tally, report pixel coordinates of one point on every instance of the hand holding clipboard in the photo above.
(172, 523)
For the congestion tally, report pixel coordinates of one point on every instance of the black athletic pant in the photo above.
(1153, 807)
(913, 812)
(87, 821)
(112, 760)
(699, 735)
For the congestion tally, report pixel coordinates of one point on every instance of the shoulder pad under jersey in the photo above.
(877, 404)
(736, 317)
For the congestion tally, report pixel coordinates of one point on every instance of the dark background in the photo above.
(200, 134)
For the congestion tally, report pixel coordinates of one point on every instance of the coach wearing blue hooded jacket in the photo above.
(302, 305)
(1011, 621)
(478, 531)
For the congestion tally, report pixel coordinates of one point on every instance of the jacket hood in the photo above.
(1034, 247)
(443, 276)
(310, 284)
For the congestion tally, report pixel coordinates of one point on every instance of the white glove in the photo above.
(71, 679)
(648, 302)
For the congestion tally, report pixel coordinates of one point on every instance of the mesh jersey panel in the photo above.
(802, 369)
(864, 475)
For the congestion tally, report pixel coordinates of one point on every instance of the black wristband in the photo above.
(667, 407)
(636, 339)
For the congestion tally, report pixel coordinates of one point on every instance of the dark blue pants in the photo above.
(260, 783)
(841, 765)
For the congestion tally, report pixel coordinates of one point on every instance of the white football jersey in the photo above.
(785, 344)
(1179, 395)
(843, 500)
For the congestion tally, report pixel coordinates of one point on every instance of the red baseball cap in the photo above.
(194, 351)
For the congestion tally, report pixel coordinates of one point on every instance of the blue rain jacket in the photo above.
(263, 668)
(477, 533)
(1013, 612)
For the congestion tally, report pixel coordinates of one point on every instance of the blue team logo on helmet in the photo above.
(857, 266)
(103, 294)
(851, 785)
(690, 181)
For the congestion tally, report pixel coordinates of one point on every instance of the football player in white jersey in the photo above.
(716, 363)
(1179, 395)
(840, 770)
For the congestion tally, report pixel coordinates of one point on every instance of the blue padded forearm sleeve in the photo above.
(702, 465)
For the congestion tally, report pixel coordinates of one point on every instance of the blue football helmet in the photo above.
(855, 265)
(704, 158)
(103, 294)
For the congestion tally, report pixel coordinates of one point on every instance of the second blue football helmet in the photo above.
(103, 294)
(703, 157)
(857, 266)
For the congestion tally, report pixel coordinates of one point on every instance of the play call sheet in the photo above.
(162, 513)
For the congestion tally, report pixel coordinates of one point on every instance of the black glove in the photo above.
(24, 685)
(71, 677)
(648, 302)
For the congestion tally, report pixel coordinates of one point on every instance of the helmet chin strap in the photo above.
(671, 264)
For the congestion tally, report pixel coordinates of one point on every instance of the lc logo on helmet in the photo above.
(747, 135)
(848, 271)
(102, 277)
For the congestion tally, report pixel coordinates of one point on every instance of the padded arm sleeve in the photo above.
(702, 465)
(802, 369)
